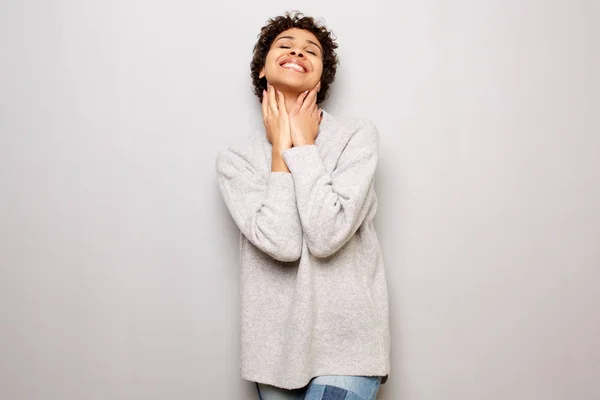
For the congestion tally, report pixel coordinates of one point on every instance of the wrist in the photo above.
(279, 148)
(303, 142)
(278, 163)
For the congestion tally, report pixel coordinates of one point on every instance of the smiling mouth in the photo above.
(294, 67)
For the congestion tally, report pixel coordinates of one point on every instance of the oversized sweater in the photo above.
(313, 286)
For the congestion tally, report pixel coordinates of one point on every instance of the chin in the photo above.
(288, 85)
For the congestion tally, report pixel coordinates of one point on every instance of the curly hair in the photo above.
(274, 27)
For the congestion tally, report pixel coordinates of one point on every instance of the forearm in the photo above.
(263, 207)
(302, 140)
(278, 163)
(333, 205)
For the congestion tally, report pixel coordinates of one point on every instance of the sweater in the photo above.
(313, 287)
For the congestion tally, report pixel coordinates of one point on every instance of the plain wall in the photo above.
(118, 259)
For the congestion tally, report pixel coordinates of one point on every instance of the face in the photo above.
(294, 62)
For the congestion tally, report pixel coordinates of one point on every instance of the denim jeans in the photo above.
(329, 387)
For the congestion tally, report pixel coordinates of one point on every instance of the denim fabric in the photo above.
(331, 387)
(267, 392)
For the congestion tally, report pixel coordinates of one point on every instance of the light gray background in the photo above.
(119, 273)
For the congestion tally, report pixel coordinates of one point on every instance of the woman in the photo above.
(314, 306)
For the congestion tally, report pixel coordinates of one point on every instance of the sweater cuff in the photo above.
(280, 185)
(304, 162)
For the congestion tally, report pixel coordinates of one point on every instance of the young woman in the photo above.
(314, 304)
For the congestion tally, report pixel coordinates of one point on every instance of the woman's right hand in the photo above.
(276, 119)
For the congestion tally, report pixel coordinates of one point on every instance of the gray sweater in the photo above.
(313, 287)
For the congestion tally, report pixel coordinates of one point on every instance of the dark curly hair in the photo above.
(274, 27)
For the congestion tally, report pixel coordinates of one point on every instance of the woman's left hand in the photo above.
(305, 118)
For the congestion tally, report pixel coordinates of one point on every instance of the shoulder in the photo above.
(350, 125)
(361, 131)
(245, 153)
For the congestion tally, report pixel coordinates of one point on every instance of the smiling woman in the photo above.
(314, 304)
(294, 62)
(299, 37)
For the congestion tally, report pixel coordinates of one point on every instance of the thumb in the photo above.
(281, 103)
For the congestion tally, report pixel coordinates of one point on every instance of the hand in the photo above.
(305, 118)
(276, 119)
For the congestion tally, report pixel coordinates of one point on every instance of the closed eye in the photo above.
(308, 51)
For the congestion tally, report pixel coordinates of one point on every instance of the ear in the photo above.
(261, 74)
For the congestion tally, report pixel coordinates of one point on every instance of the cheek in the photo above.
(319, 69)
(270, 61)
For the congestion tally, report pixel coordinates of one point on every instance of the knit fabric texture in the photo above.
(313, 287)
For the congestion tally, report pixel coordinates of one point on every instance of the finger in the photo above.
(300, 100)
(272, 100)
(315, 110)
(281, 102)
(311, 98)
(318, 115)
(266, 115)
(265, 106)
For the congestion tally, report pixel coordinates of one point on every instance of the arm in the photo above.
(263, 207)
(332, 207)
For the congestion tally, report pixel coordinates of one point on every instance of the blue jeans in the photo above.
(329, 387)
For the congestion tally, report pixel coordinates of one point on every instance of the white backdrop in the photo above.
(118, 260)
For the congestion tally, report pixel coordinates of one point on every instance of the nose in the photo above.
(295, 53)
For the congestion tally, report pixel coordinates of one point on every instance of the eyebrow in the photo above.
(308, 40)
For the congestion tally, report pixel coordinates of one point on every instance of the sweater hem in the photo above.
(298, 384)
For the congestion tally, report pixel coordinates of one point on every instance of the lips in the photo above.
(294, 64)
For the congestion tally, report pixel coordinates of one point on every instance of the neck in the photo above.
(290, 100)
(291, 97)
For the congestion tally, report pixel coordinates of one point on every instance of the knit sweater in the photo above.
(313, 287)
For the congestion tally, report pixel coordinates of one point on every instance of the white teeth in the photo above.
(294, 66)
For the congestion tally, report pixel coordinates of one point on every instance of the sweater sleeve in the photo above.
(263, 208)
(333, 206)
